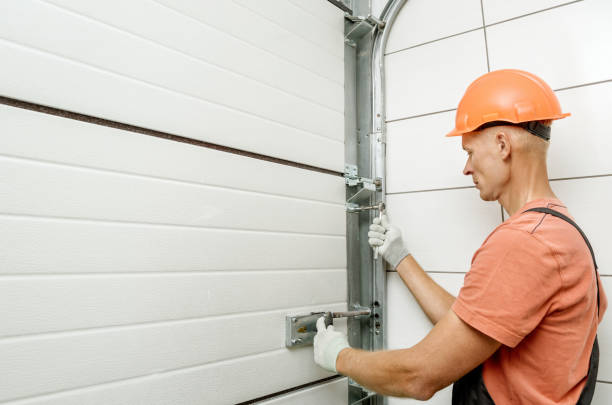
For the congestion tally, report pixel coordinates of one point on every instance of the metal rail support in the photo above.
(365, 148)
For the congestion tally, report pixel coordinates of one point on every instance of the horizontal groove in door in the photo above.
(288, 390)
(159, 134)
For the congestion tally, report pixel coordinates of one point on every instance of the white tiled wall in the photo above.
(583, 142)
(499, 10)
(434, 80)
(435, 50)
(416, 152)
(424, 21)
(567, 46)
(443, 228)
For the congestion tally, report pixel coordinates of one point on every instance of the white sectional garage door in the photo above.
(170, 189)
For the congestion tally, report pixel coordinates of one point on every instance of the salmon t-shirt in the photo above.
(532, 287)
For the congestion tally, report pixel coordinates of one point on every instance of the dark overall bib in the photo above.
(471, 390)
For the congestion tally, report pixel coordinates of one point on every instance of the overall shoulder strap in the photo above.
(569, 220)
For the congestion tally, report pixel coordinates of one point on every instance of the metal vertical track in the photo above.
(365, 147)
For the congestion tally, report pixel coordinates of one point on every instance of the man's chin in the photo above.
(487, 197)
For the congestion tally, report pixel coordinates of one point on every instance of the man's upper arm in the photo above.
(452, 349)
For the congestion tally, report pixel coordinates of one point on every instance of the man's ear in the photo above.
(503, 145)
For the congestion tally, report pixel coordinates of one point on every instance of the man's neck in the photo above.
(525, 186)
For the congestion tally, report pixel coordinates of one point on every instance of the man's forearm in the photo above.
(433, 299)
(393, 372)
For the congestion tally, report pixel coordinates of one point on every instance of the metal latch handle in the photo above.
(330, 316)
(348, 314)
(301, 329)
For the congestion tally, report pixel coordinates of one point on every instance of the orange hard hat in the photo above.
(506, 97)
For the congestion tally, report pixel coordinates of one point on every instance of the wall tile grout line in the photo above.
(26, 105)
(484, 26)
(594, 176)
(534, 12)
(420, 115)
(454, 109)
(484, 29)
(584, 85)
(430, 190)
(604, 382)
(433, 40)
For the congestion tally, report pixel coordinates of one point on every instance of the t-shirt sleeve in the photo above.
(510, 287)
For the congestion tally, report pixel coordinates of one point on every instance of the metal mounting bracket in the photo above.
(341, 5)
(361, 26)
(368, 186)
(301, 329)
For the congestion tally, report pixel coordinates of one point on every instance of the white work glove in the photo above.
(388, 238)
(328, 343)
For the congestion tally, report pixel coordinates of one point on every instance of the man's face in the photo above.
(490, 173)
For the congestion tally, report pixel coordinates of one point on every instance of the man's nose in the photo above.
(467, 170)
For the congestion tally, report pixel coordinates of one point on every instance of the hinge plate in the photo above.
(351, 178)
(368, 186)
(300, 330)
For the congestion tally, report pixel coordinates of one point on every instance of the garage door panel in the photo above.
(30, 364)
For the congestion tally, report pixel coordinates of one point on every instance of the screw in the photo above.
(294, 320)
(377, 332)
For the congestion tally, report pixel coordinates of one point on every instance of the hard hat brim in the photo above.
(458, 132)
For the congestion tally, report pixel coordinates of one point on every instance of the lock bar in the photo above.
(301, 329)
(353, 208)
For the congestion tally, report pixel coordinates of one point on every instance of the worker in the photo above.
(523, 327)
